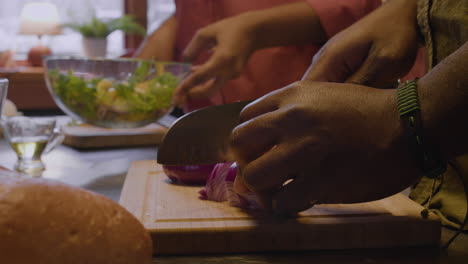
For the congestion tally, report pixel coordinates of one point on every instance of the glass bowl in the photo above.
(113, 93)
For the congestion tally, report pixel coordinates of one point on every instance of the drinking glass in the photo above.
(30, 138)
(3, 92)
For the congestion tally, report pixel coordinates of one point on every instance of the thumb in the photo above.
(339, 58)
(375, 72)
(203, 40)
(324, 68)
(332, 63)
(239, 185)
(367, 73)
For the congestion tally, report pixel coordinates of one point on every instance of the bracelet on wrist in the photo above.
(430, 161)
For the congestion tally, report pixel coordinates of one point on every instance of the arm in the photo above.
(344, 143)
(160, 44)
(336, 15)
(238, 37)
(234, 39)
(296, 23)
(374, 51)
(444, 97)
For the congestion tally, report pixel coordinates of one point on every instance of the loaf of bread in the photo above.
(47, 222)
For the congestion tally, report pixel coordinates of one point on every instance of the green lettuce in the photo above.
(141, 97)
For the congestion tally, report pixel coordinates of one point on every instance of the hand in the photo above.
(374, 51)
(231, 42)
(338, 143)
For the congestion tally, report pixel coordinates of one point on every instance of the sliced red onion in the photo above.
(220, 187)
(188, 174)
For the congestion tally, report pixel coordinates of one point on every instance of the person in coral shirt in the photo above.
(243, 50)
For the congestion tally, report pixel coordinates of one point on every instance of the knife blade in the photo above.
(201, 136)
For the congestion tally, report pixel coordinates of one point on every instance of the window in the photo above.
(72, 11)
(158, 11)
(69, 43)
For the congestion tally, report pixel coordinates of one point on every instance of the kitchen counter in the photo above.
(104, 171)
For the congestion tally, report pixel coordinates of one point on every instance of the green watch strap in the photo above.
(429, 158)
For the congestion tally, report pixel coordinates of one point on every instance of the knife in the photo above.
(201, 136)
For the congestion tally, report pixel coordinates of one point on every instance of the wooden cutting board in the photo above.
(180, 223)
(87, 137)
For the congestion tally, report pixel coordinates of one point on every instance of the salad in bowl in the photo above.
(113, 93)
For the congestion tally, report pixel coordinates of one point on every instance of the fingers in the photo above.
(264, 199)
(373, 71)
(206, 89)
(203, 40)
(271, 170)
(203, 84)
(225, 63)
(200, 74)
(265, 104)
(239, 185)
(222, 66)
(294, 197)
(320, 69)
(328, 65)
(338, 58)
(253, 138)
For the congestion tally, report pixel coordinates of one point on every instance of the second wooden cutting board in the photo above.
(180, 223)
(89, 137)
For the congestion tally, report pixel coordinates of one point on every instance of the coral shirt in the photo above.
(267, 69)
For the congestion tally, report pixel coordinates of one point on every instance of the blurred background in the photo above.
(68, 42)
(32, 29)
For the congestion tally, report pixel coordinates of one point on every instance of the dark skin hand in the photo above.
(343, 143)
(374, 51)
(334, 140)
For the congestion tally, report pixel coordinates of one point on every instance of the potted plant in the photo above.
(96, 31)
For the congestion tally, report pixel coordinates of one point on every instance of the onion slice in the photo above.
(220, 187)
(188, 174)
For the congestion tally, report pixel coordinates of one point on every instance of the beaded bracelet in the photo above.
(429, 159)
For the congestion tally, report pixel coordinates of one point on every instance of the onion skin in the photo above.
(188, 174)
(218, 180)
(220, 187)
(219, 184)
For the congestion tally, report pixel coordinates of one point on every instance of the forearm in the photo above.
(289, 24)
(408, 9)
(160, 44)
(444, 108)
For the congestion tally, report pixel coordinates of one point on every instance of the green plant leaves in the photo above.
(127, 24)
(100, 29)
